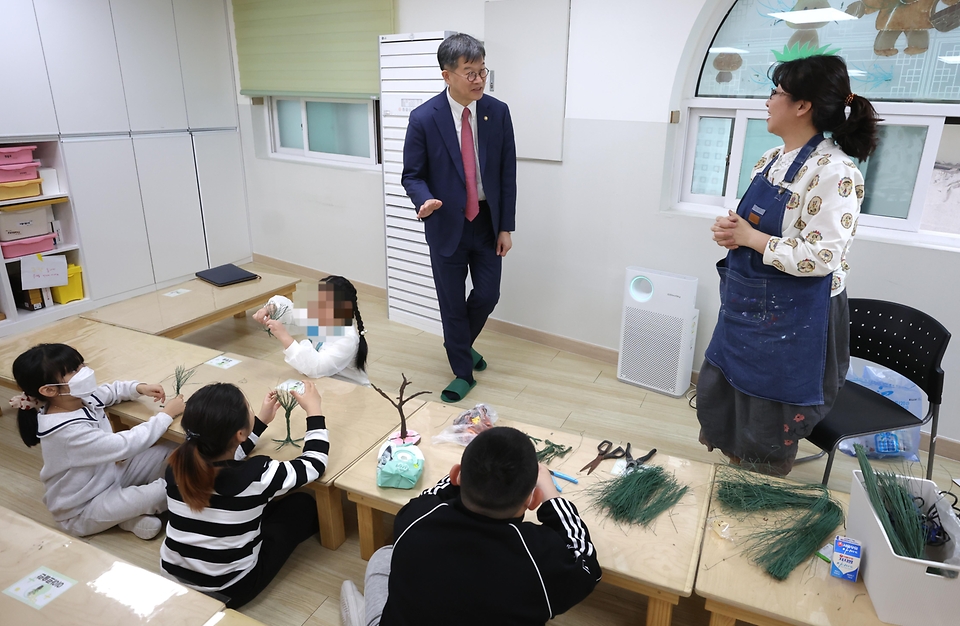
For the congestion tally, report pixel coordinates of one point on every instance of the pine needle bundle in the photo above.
(640, 495)
(550, 450)
(289, 403)
(902, 521)
(808, 517)
(180, 377)
(275, 313)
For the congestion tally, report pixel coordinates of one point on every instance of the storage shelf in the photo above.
(56, 250)
(35, 201)
(57, 311)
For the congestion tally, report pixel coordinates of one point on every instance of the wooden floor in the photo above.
(525, 381)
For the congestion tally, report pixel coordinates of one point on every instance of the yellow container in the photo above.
(73, 290)
(20, 189)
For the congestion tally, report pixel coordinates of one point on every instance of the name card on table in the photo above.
(38, 271)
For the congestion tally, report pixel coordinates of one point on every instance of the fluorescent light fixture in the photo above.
(728, 50)
(952, 60)
(856, 73)
(812, 16)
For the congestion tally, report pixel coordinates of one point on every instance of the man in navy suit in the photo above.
(460, 171)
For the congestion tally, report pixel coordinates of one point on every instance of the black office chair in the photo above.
(899, 338)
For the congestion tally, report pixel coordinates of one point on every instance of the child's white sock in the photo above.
(145, 526)
(351, 605)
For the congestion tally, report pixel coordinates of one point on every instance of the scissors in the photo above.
(634, 463)
(603, 452)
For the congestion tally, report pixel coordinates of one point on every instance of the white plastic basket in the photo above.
(904, 591)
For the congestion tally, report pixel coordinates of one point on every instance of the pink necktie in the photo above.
(469, 165)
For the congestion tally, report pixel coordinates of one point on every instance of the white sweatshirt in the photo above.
(80, 449)
(334, 357)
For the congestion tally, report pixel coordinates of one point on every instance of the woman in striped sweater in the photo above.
(226, 535)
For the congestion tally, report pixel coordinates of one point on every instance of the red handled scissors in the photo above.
(603, 452)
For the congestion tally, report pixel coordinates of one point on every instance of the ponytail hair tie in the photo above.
(363, 332)
(192, 435)
(849, 99)
(24, 402)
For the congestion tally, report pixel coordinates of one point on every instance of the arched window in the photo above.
(904, 55)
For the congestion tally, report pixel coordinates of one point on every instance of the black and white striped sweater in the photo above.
(214, 548)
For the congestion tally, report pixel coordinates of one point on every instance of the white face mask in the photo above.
(83, 384)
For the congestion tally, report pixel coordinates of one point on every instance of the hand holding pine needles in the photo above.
(289, 403)
(274, 313)
(180, 377)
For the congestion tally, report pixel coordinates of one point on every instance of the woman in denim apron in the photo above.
(780, 350)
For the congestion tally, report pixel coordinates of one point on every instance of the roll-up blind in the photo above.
(310, 47)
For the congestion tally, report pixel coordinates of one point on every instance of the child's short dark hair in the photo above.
(499, 470)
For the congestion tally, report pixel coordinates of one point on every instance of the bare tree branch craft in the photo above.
(403, 435)
(289, 403)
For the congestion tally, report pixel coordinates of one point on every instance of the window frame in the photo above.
(931, 115)
(311, 156)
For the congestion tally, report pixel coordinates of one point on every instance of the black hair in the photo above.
(824, 82)
(499, 470)
(211, 418)
(344, 291)
(44, 364)
(456, 46)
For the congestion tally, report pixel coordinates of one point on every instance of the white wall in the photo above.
(582, 221)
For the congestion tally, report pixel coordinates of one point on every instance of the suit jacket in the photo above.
(433, 168)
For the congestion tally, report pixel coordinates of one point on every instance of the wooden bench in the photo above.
(658, 562)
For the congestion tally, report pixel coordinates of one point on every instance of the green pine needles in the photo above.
(275, 313)
(550, 450)
(289, 403)
(180, 377)
(902, 521)
(805, 518)
(640, 495)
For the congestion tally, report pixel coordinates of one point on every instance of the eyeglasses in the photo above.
(774, 93)
(472, 76)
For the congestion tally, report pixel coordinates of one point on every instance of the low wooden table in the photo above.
(658, 562)
(358, 418)
(200, 305)
(229, 617)
(114, 353)
(736, 589)
(108, 591)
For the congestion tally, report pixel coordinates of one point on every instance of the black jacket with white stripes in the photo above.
(453, 566)
(214, 548)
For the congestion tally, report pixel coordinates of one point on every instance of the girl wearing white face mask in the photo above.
(94, 478)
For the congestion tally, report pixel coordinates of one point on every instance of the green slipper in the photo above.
(478, 363)
(457, 390)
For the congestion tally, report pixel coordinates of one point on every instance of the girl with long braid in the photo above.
(333, 346)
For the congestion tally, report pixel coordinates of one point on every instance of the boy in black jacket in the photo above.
(463, 554)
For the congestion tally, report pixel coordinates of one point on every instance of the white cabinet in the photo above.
(206, 63)
(150, 64)
(171, 204)
(220, 171)
(81, 55)
(105, 193)
(27, 108)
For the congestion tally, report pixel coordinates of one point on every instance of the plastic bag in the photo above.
(898, 443)
(468, 425)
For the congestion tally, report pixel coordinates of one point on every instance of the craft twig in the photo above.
(550, 450)
(399, 402)
(274, 313)
(289, 403)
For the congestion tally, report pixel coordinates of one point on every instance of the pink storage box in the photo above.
(13, 172)
(30, 245)
(16, 154)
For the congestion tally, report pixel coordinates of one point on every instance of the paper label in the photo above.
(223, 362)
(291, 385)
(38, 271)
(176, 292)
(39, 588)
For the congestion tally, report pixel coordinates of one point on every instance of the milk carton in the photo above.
(846, 558)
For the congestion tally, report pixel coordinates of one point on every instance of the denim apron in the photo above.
(770, 341)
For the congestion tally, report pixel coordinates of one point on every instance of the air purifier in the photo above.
(658, 330)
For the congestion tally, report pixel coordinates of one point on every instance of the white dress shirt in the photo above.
(457, 109)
